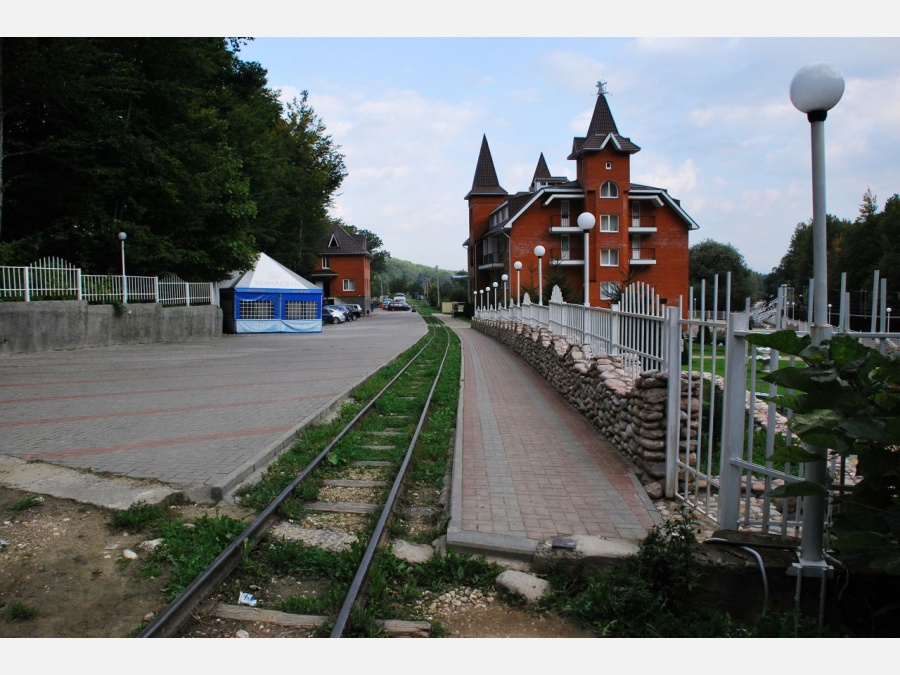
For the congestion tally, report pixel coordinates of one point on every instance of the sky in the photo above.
(712, 117)
(409, 96)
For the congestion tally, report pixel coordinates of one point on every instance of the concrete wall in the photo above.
(27, 327)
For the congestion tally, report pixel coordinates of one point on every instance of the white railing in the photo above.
(174, 291)
(632, 330)
(56, 279)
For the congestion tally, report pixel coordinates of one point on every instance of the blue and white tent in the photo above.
(270, 298)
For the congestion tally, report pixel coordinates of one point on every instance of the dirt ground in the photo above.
(63, 559)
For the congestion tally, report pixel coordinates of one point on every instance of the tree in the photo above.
(710, 258)
(373, 246)
(175, 141)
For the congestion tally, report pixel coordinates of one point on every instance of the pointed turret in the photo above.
(485, 181)
(542, 171)
(602, 130)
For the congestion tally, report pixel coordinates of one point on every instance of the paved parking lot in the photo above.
(200, 416)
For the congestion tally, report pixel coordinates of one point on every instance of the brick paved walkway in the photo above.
(528, 466)
(200, 415)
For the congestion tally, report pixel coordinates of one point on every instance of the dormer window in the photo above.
(609, 190)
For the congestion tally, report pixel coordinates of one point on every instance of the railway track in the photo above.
(356, 480)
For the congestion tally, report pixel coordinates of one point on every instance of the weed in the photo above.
(140, 517)
(17, 611)
(26, 503)
(189, 551)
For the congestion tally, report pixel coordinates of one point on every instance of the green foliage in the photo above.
(847, 398)
(651, 595)
(190, 550)
(140, 517)
(18, 611)
(26, 503)
(176, 141)
(709, 258)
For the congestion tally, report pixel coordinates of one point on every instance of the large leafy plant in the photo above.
(846, 397)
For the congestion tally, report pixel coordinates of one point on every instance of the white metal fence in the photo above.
(56, 279)
(632, 330)
(723, 430)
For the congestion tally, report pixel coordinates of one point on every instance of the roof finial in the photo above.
(601, 88)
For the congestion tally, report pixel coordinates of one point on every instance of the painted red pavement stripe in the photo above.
(157, 444)
(161, 411)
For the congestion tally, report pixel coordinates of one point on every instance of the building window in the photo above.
(608, 166)
(609, 257)
(325, 262)
(564, 213)
(609, 290)
(257, 309)
(609, 223)
(609, 190)
(349, 285)
(300, 309)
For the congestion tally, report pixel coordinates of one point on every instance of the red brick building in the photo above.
(343, 270)
(640, 232)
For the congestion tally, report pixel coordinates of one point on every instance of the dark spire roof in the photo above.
(542, 172)
(485, 181)
(602, 130)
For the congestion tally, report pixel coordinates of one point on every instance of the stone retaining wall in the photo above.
(630, 413)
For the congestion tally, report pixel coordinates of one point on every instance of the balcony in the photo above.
(643, 225)
(639, 257)
(491, 261)
(563, 225)
(566, 257)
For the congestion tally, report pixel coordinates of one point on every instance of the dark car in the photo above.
(355, 310)
(398, 306)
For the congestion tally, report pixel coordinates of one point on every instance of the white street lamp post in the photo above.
(487, 296)
(539, 251)
(475, 299)
(518, 266)
(505, 278)
(586, 222)
(495, 284)
(816, 89)
(888, 310)
(481, 295)
(122, 238)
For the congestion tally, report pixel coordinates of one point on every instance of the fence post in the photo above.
(187, 294)
(156, 290)
(733, 415)
(673, 402)
(614, 330)
(79, 284)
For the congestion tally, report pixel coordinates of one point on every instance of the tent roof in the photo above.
(268, 273)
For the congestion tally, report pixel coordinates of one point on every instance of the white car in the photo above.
(333, 316)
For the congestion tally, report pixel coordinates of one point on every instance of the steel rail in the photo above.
(171, 619)
(376, 541)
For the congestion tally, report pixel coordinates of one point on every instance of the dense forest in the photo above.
(175, 141)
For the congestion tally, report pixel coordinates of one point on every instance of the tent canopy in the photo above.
(270, 298)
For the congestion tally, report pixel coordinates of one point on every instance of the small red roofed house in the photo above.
(343, 270)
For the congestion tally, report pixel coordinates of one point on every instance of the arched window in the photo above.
(609, 190)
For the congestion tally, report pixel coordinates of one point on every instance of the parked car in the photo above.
(398, 306)
(345, 311)
(332, 316)
(355, 310)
